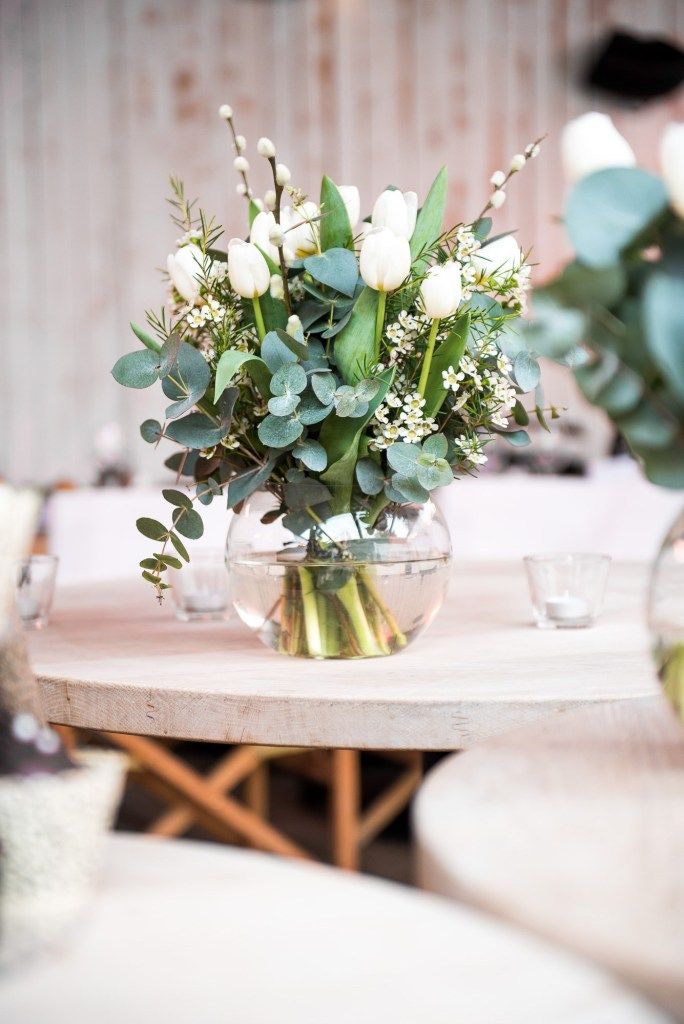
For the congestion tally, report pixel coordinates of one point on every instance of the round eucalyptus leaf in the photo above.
(176, 498)
(526, 371)
(367, 389)
(608, 210)
(278, 431)
(304, 494)
(622, 394)
(151, 431)
(289, 379)
(137, 369)
(188, 523)
(410, 488)
(311, 411)
(312, 454)
(402, 457)
(369, 476)
(151, 528)
(663, 307)
(436, 444)
(195, 431)
(283, 405)
(647, 428)
(336, 268)
(324, 386)
(516, 438)
(438, 475)
(179, 546)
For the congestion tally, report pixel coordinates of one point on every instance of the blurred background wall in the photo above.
(101, 99)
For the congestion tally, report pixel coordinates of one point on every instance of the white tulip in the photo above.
(591, 143)
(301, 229)
(247, 269)
(186, 270)
(501, 258)
(440, 292)
(266, 148)
(352, 201)
(385, 260)
(672, 163)
(397, 211)
(260, 234)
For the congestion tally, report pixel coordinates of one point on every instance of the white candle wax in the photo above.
(566, 608)
(205, 601)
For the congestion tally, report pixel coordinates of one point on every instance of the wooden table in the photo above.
(113, 660)
(574, 827)
(190, 932)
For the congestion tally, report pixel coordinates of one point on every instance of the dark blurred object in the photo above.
(28, 748)
(636, 68)
(110, 457)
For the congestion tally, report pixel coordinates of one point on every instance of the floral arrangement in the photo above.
(345, 366)
(616, 312)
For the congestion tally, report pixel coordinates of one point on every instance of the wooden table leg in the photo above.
(345, 807)
(194, 789)
(256, 790)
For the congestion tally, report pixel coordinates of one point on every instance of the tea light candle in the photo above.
(566, 608)
(205, 601)
(28, 607)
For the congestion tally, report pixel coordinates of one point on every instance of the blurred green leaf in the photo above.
(663, 307)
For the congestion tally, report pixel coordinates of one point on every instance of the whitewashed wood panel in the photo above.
(101, 99)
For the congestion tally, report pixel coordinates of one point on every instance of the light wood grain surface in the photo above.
(573, 827)
(112, 659)
(188, 932)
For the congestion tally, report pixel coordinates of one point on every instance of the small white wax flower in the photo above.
(266, 148)
(497, 179)
(294, 326)
(240, 143)
(517, 162)
(532, 150)
(440, 291)
(270, 199)
(276, 287)
(282, 174)
(247, 269)
(497, 198)
(225, 112)
(385, 259)
(241, 164)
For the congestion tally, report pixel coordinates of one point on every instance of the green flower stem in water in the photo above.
(672, 676)
(312, 624)
(427, 361)
(369, 644)
(259, 318)
(379, 323)
(372, 590)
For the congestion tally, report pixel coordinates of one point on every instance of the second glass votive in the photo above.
(566, 589)
(36, 577)
(201, 590)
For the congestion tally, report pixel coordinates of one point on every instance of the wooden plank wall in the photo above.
(101, 99)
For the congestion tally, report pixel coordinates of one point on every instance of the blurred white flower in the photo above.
(294, 326)
(276, 288)
(672, 163)
(385, 260)
(500, 258)
(497, 179)
(282, 174)
(240, 143)
(266, 148)
(352, 201)
(517, 162)
(270, 199)
(591, 143)
(247, 269)
(241, 164)
(497, 198)
(440, 291)
(260, 234)
(185, 269)
(225, 112)
(397, 211)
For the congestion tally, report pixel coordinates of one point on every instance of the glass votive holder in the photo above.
(567, 590)
(201, 589)
(35, 581)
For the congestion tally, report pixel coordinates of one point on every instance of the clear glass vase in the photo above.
(339, 588)
(666, 614)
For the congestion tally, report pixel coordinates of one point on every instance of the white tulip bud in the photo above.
(591, 143)
(294, 326)
(497, 179)
(225, 112)
(500, 258)
(352, 201)
(440, 292)
(263, 226)
(270, 199)
(397, 211)
(517, 162)
(672, 163)
(385, 260)
(532, 150)
(247, 269)
(266, 148)
(241, 164)
(497, 198)
(186, 270)
(282, 174)
(240, 143)
(276, 287)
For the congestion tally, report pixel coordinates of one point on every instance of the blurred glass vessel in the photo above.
(338, 588)
(666, 615)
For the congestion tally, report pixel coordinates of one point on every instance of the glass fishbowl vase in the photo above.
(339, 587)
(666, 615)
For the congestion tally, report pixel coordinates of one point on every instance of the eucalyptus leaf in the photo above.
(437, 445)
(187, 381)
(526, 371)
(648, 428)
(177, 498)
(516, 438)
(663, 308)
(179, 546)
(336, 268)
(402, 457)
(289, 379)
(283, 405)
(275, 352)
(312, 411)
(151, 431)
(439, 474)
(195, 431)
(240, 487)
(339, 325)
(304, 494)
(169, 354)
(324, 386)
(188, 523)
(279, 431)
(151, 528)
(231, 362)
(137, 369)
(369, 476)
(312, 454)
(409, 488)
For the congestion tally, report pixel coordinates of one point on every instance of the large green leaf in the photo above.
(583, 287)
(430, 218)
(195, 431)
(229, 364)
(334, 224)
(448, 354)
(337, 268)
(355, 345)
(240, 487)
(663, 311)
(340, 438)
(187, 381)
(608, 210)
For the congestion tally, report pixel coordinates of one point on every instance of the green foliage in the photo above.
(240, 487)
(447, 354)
(336, 268)
(369, 476)
(526, 371)
(306, 493)
(137, 369)
(188, 523)
(335, 229)
(196, 431)
(419, 469)
(280, 431)
(311, 453)
(429, 221)
(229, 365)
(609, 210)
(277, 348)
(663, 310)
(151, 431)
(355, 345)
(186, 381)
(151, 528)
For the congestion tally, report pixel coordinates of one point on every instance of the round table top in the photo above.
(187, 931)
(574, 828)
(112, 659)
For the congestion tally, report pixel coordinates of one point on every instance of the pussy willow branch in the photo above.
(238, 152)
(281, 251)
(503, 184)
